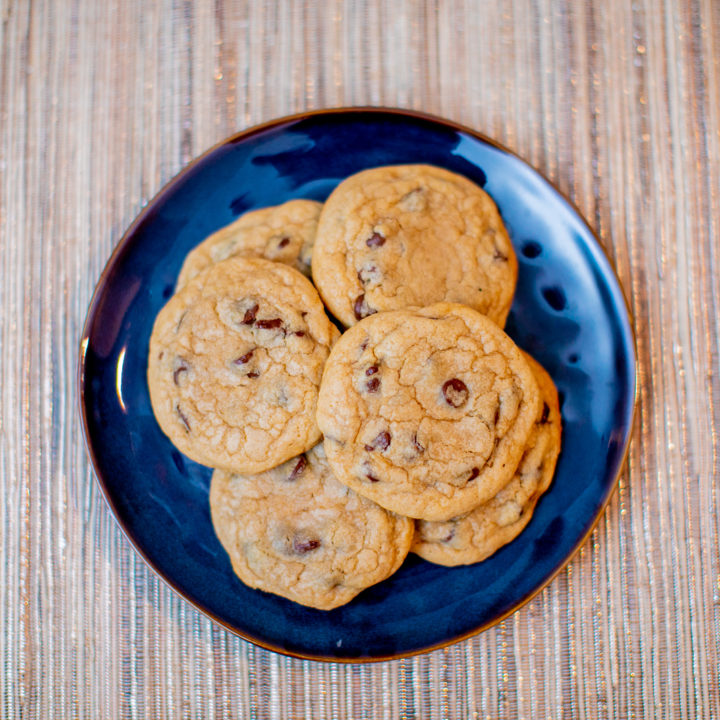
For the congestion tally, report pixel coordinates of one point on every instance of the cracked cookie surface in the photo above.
(297, 532)
(478, 534)
(426, 411)
(235, 363)
(282, 233)
(412, 235)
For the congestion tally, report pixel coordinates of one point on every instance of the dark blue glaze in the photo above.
(568, 312)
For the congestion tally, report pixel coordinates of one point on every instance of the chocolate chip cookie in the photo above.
(427, 411)
(412, 235)
(235, 364)
(478, 534)
(283, 233)
(297, 532)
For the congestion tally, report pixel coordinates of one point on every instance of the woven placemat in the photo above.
(617, 102)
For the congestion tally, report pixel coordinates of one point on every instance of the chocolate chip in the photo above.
(299, 468)
(368, 273)
(244, 358)
(284, 242)
(371, 370)
(456, 392)
(253, 374)
(381, 442)
(179, 370)
(449, 536)
(372, 478)
(268, 324)
(358, 306)
(500, 256)
(473, 474)
(375, 240)
(418, 447)
(250, 314)
(361, 308)
(302, 545)
(183, 419)
(497, 415)
(299, 333)
(372, 385)
(545, 414)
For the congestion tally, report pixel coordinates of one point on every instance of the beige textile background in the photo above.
(617, 101)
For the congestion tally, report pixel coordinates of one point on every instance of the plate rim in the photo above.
(166, 189)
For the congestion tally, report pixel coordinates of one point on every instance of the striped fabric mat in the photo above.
(617, 102)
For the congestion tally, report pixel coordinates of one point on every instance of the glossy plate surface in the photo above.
(569, 313)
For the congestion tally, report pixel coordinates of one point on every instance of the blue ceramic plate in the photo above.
(569, 312)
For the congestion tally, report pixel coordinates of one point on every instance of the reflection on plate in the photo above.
(569, 313)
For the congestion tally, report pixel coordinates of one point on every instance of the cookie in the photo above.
(297, 532)
(426, 411)
(478, 534)
(235, 364)
(283, 233)
(412, 235)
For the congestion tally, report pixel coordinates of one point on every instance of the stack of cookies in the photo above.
(421, 428)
